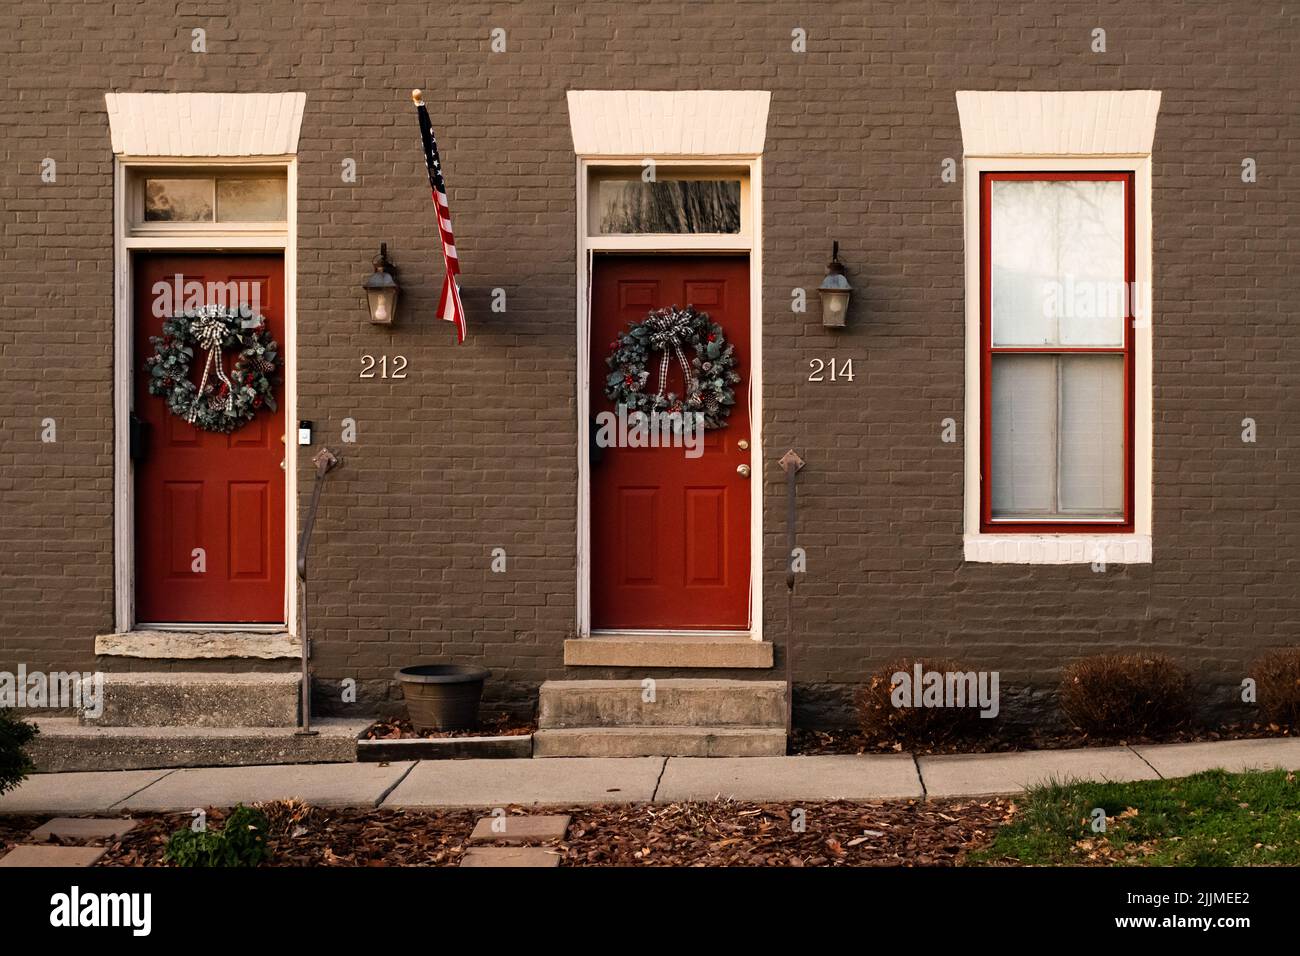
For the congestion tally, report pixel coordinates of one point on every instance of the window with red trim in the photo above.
(1056, 352)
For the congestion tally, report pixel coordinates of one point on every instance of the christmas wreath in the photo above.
(708, 376)
(221, 401)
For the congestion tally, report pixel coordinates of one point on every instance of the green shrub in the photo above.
(915, 728)
(15, 734)
(240, 842)
(1277, 681)
(1125, 695)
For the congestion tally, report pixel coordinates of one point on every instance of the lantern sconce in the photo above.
(835, 292)
(381, 289)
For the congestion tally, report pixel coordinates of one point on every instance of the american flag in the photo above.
(449, 304)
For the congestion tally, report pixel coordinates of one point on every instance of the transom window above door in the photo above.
(641, 200)
(187, 200)
(670, 206)
(1056, 351)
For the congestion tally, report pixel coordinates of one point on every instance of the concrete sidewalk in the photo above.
(578, 780)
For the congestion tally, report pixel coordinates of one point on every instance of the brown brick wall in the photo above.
(475, 450)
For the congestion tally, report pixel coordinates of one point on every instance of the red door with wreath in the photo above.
(670, 533)
(209, 504)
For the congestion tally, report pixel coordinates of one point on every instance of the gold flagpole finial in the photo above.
(416, 97)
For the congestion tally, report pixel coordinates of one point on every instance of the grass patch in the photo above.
(1210, 819)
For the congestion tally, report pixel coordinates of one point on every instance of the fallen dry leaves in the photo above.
(493, 725)
(1003, 739)
(895, 833)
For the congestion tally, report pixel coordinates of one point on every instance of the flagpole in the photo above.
(451, 288)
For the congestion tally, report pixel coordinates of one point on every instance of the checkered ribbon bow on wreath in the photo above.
(667, 331)
(211, 332)
(708, 376)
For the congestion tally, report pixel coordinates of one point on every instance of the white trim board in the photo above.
(205, 124)
(208, 240)
(666, 123)
(704, 128)
(1143, 394)
(1073, 123)
(1105, 131)
(1057, 548)
(750, 241)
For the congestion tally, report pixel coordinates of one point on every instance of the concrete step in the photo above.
(660, 742)
(664, 650)
(66, 745)
(676, 703)
(188, 699)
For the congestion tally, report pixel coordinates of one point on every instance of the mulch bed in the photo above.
(894, 833)
(824, 742)
(897, 833)
(494, 725)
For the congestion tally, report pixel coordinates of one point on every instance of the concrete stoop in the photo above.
(184, 719)
(181, 699)
(65, 745)
(674, 718)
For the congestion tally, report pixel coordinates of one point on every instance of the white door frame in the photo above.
(214, 239)
(749, 241)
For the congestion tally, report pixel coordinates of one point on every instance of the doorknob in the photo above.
(742, 470)
(742, 445)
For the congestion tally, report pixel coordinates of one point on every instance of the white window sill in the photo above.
(1057, 548)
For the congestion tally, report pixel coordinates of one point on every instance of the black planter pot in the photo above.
(443, 696)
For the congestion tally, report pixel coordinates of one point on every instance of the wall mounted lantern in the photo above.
(381, 289)
(835, 291)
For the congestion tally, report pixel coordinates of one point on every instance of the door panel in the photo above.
(670, 534)
(223, 494)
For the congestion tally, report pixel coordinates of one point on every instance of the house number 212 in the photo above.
(828, 371)
(381, 368)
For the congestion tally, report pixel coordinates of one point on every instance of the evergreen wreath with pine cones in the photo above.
(709, 375)
(221, 401)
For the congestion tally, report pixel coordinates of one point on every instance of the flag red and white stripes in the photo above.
(450, 308)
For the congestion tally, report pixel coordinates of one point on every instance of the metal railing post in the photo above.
(325, 461)
(790, 463)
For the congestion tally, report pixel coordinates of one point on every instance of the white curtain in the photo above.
(1057, 434)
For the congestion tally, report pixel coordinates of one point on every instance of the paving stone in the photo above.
(532, 829)
(510, 856)
(50, 855)
(81, 829)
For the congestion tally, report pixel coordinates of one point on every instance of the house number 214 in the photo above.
(383, 367)
(828, 371)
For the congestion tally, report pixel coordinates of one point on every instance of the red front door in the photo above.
(670, 534)
(209, 508)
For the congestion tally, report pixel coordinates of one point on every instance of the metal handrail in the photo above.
(791, 464)
(325, 461)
